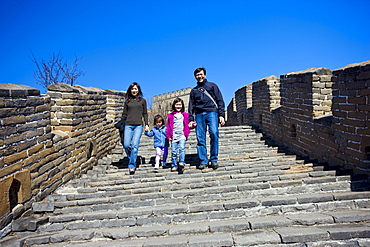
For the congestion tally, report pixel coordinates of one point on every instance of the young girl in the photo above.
(177, 132)
(160, 140)
(135, 114)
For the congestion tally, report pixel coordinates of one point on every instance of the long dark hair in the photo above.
(129, 96)
(176, 101)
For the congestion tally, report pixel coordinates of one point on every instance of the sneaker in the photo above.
(156, 166)
(173, 169)
(214, 165)
(202, 166)
(181, 166)
(132, 171)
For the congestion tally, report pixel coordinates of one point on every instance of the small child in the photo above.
(160, 140)
(178, 132)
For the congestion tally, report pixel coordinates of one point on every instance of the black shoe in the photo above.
(132, 171)
(202, 166)
(214, 165)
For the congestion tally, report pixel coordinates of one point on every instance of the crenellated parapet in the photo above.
(317, 113)
(46, 140)
(162, 103)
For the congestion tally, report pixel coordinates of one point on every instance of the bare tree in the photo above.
(55, 70)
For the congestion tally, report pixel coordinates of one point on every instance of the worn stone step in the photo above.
(259, 196)
(295, 228)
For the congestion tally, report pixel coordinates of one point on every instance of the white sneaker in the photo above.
(156, 166)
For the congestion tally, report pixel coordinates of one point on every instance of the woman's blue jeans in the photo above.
(178, 147)
(131, 142)
(203, 120)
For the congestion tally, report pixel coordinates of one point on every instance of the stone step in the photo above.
(258, 196)
(140, 212)
(273, 230)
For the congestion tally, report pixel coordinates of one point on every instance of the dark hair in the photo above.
(156, 117)
(129, 96)
(196, 71)
(176, 101)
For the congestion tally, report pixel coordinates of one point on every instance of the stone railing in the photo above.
(318, 113)
(46, 140)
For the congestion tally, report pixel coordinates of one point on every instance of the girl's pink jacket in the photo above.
(170, 119)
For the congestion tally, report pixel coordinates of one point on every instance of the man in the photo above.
(208, 107)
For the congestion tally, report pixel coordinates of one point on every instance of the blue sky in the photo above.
(159, 43)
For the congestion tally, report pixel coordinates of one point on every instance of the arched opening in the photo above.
(13, 193)
(90, 149)
(293, 131)
(367, 153)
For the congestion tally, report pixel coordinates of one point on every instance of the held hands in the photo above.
(192, 124)
(146, 128)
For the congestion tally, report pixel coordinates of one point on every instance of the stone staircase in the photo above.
(259, 196)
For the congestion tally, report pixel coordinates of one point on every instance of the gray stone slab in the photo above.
(164, 220)
(223, 239)
(118, 222)
(133, 212)
(151, 231)
(100, 215)
(204, 207)
(277, 201)
(350, 216)
(302, 234)
(169, 210)
(66, 236)
(65, 218)
(258, 237)
(229, 226)
(314, 198)
(310, 219)
(194, 228)
(226, 214)
(115, 233)
(190, 218)
(341, 232)
(351, 195)
(39, 207)
(82, 225)
(243, 203)
(43, 239)
(181, 241)
(268, 222)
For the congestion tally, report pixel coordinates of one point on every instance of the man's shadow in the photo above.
(191, 159)
(123, 163)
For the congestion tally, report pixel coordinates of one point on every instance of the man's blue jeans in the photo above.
(178, 147)
(131, 143)
(203, 120)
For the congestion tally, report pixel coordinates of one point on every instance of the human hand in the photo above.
(146, 128)
(192, 124)
(222, 121)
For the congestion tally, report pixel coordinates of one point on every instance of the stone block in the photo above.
(302, 234)
(258, 237)
(224, 239)
(269, 222)
(194, 228)
(72, 235)
(347, 231)
(39, 207)
(229, 225)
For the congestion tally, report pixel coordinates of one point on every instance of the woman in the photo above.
(134, 112)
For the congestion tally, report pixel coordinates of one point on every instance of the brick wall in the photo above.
(45, 140)
(243, 102)
(318, 113)
(162, 104)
